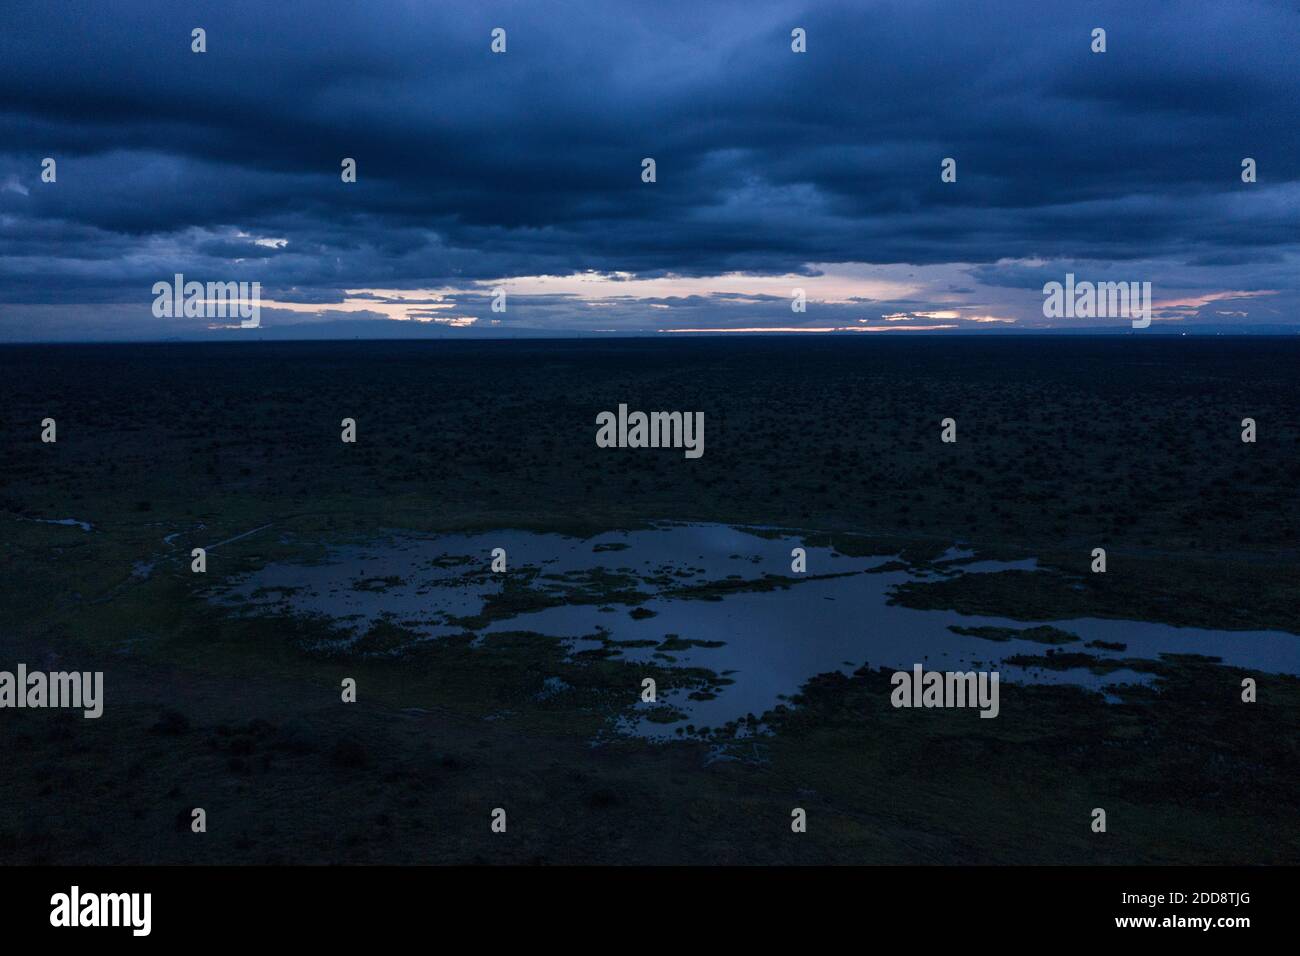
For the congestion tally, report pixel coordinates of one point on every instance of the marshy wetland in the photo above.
(719, 601)
(477, 689)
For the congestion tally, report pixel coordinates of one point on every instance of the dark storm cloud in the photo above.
(474, 166)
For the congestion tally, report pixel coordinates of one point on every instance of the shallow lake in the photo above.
(769, 642)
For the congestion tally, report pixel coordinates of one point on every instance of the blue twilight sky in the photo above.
(522, 170)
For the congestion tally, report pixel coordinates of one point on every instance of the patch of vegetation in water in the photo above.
(717, 590)
(278, 591)
(889, 567)
(1043, 634)
(384, 637)
(518, 595)
(1223, 595)
(910, 550)
(1070, 660)
(674, 642)
(663, 714)
(1106, 645)
(378, 584)
(1165, 665)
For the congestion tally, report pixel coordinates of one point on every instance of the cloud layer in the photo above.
(522, 170)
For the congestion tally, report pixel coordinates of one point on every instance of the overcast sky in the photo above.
(522, 170)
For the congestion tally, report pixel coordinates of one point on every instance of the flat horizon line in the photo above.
(1097, 333)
